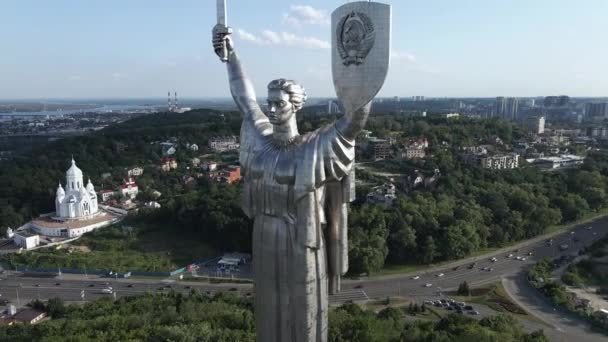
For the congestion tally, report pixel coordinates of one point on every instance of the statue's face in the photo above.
(280, 109)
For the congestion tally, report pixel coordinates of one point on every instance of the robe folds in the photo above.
(297, 195)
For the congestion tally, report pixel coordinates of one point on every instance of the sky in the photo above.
(441, 48)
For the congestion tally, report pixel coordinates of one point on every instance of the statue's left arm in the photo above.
(352, 123)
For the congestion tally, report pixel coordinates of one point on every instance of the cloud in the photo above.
(300, 15)
(248, 37)
(269, 37)
(403, 56)
(412, 62)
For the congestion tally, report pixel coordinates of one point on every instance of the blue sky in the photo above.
(142, 48)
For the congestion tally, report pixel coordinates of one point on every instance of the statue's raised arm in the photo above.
(352, 123)
(241, 87)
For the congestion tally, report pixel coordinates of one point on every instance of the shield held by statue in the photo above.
(361, 40)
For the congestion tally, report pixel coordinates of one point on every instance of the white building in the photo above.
(26, 239)
(563, 161)
(536, 124)
(501, 161)
(129, 189)
(193, 147)
(136, 171)
(77, 201)
(106, 195)
(223, 144)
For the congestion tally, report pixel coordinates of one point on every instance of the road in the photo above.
(21, 289)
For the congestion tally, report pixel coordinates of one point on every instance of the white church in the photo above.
(77, 201)
(76, 210)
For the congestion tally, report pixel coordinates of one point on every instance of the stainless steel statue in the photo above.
(297, 187)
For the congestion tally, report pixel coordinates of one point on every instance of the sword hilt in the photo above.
(224, 30)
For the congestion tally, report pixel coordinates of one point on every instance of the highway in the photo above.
(20, 289)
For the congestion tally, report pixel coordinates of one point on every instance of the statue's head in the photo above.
(285, 98)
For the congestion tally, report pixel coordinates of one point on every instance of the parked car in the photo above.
(474, 312)
(468, 307)
(416, 277)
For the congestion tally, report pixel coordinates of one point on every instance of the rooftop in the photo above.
(48, 222)
(26, 315)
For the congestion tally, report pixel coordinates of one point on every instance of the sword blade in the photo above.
(221, 13)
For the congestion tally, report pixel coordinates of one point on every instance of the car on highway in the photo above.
(472, 266)
(589, 228)
(37, 285)
(359, 286)
(91, 285)
(57, 284)
(130, 285)
(563, 247)
(415, 277)
(428, 285)
(510, 256)
(530, 253)
(493, 259)
(107, 291)
(523, 258)
(455, 268)
(440, 275)
(572, 232)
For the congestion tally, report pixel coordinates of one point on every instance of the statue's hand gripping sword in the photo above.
(222, 27)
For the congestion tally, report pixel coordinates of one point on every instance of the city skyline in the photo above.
(141, 49)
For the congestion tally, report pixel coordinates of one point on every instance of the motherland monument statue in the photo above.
(297, 187)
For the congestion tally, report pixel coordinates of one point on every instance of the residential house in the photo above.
(168, 164)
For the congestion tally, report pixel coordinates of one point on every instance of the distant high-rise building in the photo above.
(512, 110)
(556, 101)
(396, 99)
(418, 98)
(507, 108)
(596, 110)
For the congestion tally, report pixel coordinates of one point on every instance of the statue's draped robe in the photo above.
(292, 193)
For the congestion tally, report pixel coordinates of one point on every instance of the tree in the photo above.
(463, 289)
(56, 308)
(429, 251)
